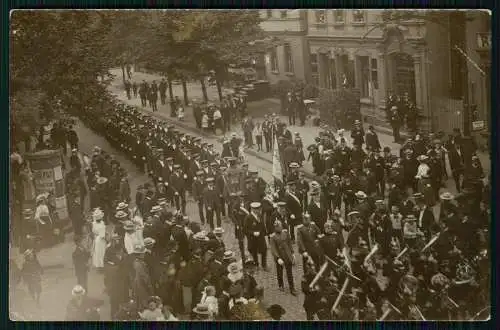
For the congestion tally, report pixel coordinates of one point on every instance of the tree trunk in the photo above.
(123, 73)
(184, 89)
(219, 88)
(170, 91)
(204, 89)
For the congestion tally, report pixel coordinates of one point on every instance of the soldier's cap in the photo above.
(218, 231)
(198, 139)
(227, 254)
(74, 150)
(156, 208)
(148, 241)
(249, 180)
(291, 182)
(204, 144)
(233, 194)
(244, 165)
(199, 173)
(120, 215)
(210, 180)
(255, 205)
(121, 206)
(177, 166)
(281, 204)
(169, 159)
(253, 172)
(410, 217)
(214, 164)
(77, 290)
(360, 194)
(222, 166)
(196, 156)
(210, 145)
(418, 195)
(175, 131)
(102, 180)
(379, 202)
(203, 162)
(353, 213)
(446, 196)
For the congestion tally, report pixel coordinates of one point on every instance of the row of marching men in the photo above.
(370, 228)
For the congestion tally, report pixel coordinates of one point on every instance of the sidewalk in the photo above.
(257, 109)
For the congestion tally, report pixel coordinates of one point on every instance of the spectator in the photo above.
(257, 131)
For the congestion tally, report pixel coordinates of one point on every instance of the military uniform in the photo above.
(281, 249)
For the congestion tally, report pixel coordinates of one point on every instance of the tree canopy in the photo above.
(57, 56)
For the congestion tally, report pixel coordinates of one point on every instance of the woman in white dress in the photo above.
(99, 233)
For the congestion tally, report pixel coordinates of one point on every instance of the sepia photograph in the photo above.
(250, 165)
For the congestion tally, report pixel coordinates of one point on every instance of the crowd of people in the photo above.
(387, 256)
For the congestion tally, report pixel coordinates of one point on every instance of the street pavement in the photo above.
(257, 109)
(59, 278)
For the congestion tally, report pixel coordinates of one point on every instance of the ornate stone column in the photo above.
(421, 83)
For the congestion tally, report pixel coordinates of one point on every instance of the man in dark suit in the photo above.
(290, 154)
(197, 193)
(212, 203)
(178, 184)
(294, 208)
(372, 141)
(307, 234)
(455, 159)
(255, 230)
(163, 91)
(318, 211)
(282, 251)
(426, 221)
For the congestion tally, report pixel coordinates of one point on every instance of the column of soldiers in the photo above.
(433, 268)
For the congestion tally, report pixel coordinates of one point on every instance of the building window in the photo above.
(314, 69)
(283, 13)
(288, 58)
(365, 75)
(338, 15)
(358, 16)
(314, 63)
(374, 73)
(320, 16)
(274, 60)
(332, 76)
(269, 13)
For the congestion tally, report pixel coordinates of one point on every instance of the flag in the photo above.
(277, 168)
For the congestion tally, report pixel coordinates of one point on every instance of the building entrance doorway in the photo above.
(403, 77)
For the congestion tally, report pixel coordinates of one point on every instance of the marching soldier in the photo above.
(239, 214)
(178, 184)
(255, 230)
(282, 251)
(307, 236)
(294, 208)
(197, 193)
(212, 203)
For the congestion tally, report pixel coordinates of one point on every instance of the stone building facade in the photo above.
(415, 56)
